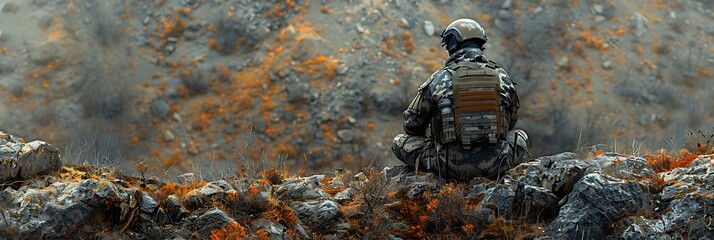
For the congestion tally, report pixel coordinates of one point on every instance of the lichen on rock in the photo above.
(21, 160)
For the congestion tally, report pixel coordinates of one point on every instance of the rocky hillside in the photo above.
(564, 196)
(211, 86)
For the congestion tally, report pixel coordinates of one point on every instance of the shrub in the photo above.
(231, 231)
(102, 90)
(664, 161)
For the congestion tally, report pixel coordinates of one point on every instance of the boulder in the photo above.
(26, 160)
(198, 198)
(45, 53)
(322, 215)
(174, 210)
(274, 230)
(203, 225)
(559, 173)
(517, 200)
(9, 7)
(302, 188)
(688, 201)
(596, 203)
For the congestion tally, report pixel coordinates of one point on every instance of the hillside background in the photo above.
(214, 87)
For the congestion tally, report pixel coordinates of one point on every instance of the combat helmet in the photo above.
(461, 33)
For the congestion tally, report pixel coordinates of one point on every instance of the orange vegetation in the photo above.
(323, 64)
(232, 230)
(408, 42)
(179, 190)
(591, 40)
(664, 161)
(704, 72)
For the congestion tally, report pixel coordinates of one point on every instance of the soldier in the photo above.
(472, 107)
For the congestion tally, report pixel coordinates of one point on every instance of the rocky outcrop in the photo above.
(686, 205)
(610, 196)
(21, 160)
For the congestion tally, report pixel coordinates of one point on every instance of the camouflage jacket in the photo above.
(422, 109)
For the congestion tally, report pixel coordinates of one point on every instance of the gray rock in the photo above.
(345, 195)
(417, 184)
(360, 176)
(599, 19)
(640, 227)
(359, 28)
(169, 136)
(177, 117)
(535, 203)
(59, 209)
(106, 190)
(596, 202)
(210, 220)
(559, 173)
(346, 135)
(506, 4)
(392, 237)
(537, 10)
(516, 200)
(147, 203)
(186, 178)
(598, 8)
(429, 28)
(301, 188)
(607, 65)
(197, 198)
(342, 69)
(6, 66)
(395, 171)
(10, 7)
(274, 230)
(7, 197)
(160, 108)
(45, 19)
(322, 215)
(45, 53)
(174, 209)
(637, 23)
(26, 160)
(404, 23)
(504, 15)
(688, 197)
(499, 199)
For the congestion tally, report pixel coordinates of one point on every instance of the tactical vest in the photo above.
(476, 115)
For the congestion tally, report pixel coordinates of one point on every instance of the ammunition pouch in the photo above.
(478, 113)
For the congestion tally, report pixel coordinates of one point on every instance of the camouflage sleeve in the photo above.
(417, 117)
(509, 98)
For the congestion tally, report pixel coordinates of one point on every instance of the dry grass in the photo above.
(663, 161)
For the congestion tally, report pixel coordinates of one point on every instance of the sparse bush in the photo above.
(664, 161)
(648, 90)
(101, 90)
(248, 203)
(196, 83)
(106, 29)
(231, 34)
(273, 176)
(232, 230)
(371, 198)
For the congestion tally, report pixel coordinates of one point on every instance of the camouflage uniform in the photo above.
(415, 148)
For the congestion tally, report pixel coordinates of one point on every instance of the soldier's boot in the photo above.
(513, 151)
(415, 151)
